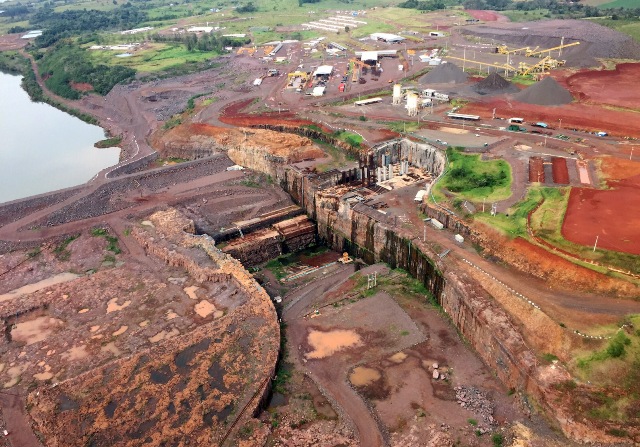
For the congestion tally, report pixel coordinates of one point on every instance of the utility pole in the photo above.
(596, 244)
(631, 154)
(424, 232)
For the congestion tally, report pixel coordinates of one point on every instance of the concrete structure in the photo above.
(397, 94)
(390, 38)
(412, 104)
(323, 70)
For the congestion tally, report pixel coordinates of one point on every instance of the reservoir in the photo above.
(43, 149)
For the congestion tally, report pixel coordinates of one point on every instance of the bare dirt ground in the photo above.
(374, 357)
(137, 110)
(589, 211)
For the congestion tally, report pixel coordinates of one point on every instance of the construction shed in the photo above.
(323, 70)
(386, 37)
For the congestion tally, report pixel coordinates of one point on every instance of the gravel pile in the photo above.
(494, 84)
(476, 401)
(596, 41)
(445, 74)
(545, 93)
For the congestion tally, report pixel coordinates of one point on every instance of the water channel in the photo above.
(43, 149)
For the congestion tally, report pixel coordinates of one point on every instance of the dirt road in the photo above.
(15, 418)
(329, 374)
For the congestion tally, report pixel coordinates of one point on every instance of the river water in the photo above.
(43, 149)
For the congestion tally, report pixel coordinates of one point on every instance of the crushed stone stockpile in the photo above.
(446, 73)
(545, 93)
(494, 84)
(596, 41)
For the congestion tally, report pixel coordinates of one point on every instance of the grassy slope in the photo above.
(157, 57)
(628, 27)
(471, 165)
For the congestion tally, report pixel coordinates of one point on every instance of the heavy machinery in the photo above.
(506, 67)
(540, 53)
(345, 259)
(357, 68)
(503, 49)
(543, 66)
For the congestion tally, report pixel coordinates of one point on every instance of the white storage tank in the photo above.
(437, 224)
(459, 239)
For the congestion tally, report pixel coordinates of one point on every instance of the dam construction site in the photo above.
(436, 256)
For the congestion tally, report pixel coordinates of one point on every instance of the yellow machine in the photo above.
(503, 49)
(357, 66)
(540, 53)
(506, 67)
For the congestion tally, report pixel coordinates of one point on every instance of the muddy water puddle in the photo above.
(362, 376)
(191, 292)
(120, 331)
(163, 335)
(113, 306)
(328, 343)
(31, 288)
(33, 331)
(75, 353)
(204, 308)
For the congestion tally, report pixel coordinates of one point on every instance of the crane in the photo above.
(548, 51)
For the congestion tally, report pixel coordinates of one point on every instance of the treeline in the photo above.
(13, 62)
(65, 64)
(205, 42)
(428, 5)
(555, 7)
(58, 25)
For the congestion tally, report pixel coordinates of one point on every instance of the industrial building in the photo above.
(385, 37)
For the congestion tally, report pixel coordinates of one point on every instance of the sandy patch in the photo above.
(75, 353)
(94, 328)
(191, 292)
(163, 335)
(398, 357)
(204, 308)
(325, 344)
(33, 331)
(144, 323)
(45, 375)
(454, 130)
(14, 375)
(120, 331)
(362, 376)
(30, 288)
(83, 311)
(111, 347)
(171, 315)
(113, 306)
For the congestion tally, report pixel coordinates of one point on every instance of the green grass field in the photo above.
(156, 57)
(470, 178)
(525, 16)
(628, 27)
(615, 3)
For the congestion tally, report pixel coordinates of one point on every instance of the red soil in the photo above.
(536, 169)
(609, 214)
(560, 171)
(617, 87)
(594, 90)
(81, 86)
(486, 16)
(232, 115)
(582, 116)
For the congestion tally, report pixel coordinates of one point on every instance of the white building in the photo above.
(386, 37)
